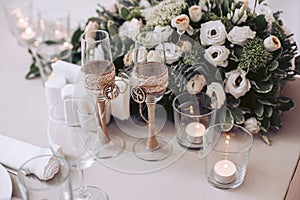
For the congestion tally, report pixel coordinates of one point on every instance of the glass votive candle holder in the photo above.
(47, 54)
(52, 182)
(226, 148)
(193, 114)
(55, 25)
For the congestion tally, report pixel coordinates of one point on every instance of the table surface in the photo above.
(24, 116)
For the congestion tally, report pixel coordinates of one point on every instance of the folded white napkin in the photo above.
(13, 153)
(65, 69)
(120, 106)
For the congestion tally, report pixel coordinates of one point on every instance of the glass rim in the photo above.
(84, 34)
(194, 115)
(246, 148)
(20, 173)
(137, 40)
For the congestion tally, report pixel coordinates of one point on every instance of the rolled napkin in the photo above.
(120, 106)
(65, 69)
(18, 152)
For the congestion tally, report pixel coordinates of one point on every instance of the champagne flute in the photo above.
(71, 136)
(149, 78)
(99, 80)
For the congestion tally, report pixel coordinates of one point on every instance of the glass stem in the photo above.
(82, 182)
(152, 143)
(100, 106)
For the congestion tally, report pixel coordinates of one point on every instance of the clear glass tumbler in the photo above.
(226, 150)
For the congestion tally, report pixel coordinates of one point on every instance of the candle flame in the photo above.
(191, 110)
(57, 32)
(225, 166)
(227, 139)
(28, 30)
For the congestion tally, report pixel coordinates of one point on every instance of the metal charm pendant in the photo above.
(138, 94)
(110, 92)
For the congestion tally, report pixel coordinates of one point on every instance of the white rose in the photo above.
(196, 84)
(128, 59)
(212, 33)
(181, 22)
(239, 35)
(145, 4)
(91, 26)
(195, 13)
(263, 9)
(252, 125)
(153, 56)
(185, 46)
(272, 43)
(236, 83)
(217, 55)
(172, 52)
(164, 31)
(130, 29)
(239, 16)
(216, 89)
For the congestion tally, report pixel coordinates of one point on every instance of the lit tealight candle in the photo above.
(194, 132)
(28, 35)
(58, 34)
(22, 23)
(225, 171)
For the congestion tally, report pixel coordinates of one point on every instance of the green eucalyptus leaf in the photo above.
(285, 104)
(273, 65)
(233, 102)
(275, 120)
(259, 110)
(267, 77)
(238, 115)
(265, 123)
(263, 87)
(228, 117)
(266, 102)
(268, 111)
(266, 139)
(124, 12)
(260, 23)
(112, 28)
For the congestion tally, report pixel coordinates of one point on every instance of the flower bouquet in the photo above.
(246, 49)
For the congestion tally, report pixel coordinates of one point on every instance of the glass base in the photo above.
(114, 148)
(162, 152)
(91, 193)
(184, 142)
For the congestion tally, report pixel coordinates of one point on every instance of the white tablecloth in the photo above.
(24, 116)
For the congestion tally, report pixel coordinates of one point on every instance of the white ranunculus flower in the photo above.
(181, 22)
(239, 16)
(239, 35)
(153, 56)
(145, 4)
(263, 9)
(196, 84)
(128, 61)
(236, 83)
(212, 33)
(217, 55)
(164, 31)
(130, 28)
(172, 52)
(252, 125)
(185, 46)
(217, 90)
(91, 26)
(195, 13)
(272, 43)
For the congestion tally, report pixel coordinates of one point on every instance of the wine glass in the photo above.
(149, 78)
(99, 81)
(71, 135)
